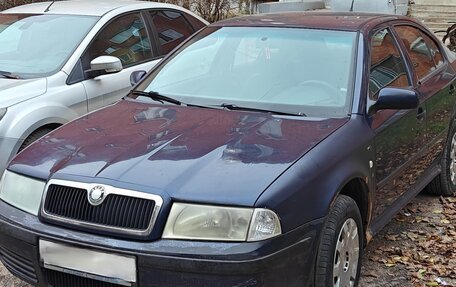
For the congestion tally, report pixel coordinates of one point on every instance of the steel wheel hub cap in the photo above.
(453, 160)
(346, 255)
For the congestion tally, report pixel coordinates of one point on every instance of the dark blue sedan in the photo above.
(265, 151)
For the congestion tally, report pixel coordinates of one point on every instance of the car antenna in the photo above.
(351, 8)
(47, 9)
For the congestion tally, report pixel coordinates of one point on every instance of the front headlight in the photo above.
(22, 192)
(218, 223)
(2, 112)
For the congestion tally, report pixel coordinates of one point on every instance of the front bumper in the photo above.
(283, 261)
(8, 149)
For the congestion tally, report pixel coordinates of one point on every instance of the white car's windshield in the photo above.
(38, 45)
(299, 71)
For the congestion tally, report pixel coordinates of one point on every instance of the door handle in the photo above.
(421, 113)
(452, 90)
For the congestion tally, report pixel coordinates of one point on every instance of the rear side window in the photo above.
(172, 28)
(387, 67)
(423, 52)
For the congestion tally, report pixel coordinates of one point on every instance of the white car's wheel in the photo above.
(34, 136)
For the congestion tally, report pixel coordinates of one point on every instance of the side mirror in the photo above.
(395, 99)
(105, 65)
(137, 76)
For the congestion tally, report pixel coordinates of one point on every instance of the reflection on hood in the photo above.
(163, 146)
(131, 130)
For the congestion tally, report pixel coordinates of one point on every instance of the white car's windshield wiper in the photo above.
(157, 97)
(232, 107)
(9, 75)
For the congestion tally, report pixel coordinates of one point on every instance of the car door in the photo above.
(434, 81)
(400, 134)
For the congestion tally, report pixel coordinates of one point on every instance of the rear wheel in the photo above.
(445, 183)
(339, 254)
(35, 136)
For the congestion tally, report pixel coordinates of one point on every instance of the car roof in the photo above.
(349, 21)
(85, 7)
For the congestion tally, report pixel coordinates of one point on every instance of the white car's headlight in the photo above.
(22, 192)
(2, 112)
(217, 223)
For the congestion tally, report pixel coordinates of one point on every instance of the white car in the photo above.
(60, 60)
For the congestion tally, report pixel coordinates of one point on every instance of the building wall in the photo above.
(380, 6)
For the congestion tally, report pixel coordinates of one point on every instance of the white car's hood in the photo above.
(15, 91)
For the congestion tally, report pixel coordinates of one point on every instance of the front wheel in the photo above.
(338, 261)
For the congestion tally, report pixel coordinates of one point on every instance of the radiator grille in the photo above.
(18, 265)
(117, 211)
(59, 279)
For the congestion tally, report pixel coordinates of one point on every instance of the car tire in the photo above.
(341, 245)
(34, 136)
(445, 183)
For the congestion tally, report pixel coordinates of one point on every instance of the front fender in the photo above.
(307, 189)
(21, 120)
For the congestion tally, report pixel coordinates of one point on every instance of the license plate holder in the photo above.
(88, 263)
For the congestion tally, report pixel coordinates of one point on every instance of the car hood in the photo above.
(14, 91)
(190, 154)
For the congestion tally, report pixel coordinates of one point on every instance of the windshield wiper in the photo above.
(232, 107)
(161, 98)
(157, 97)
(9, 75)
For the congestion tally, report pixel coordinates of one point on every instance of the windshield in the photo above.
(299, 71)
(39, 45)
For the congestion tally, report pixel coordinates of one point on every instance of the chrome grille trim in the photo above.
(108, 190)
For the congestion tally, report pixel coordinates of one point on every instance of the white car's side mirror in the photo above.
(106, 65)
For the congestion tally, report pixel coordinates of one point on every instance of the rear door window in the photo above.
(172, 28)
(196, 23)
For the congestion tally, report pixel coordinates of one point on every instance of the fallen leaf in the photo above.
(445, 221)
(420, 273)
(391, 237)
